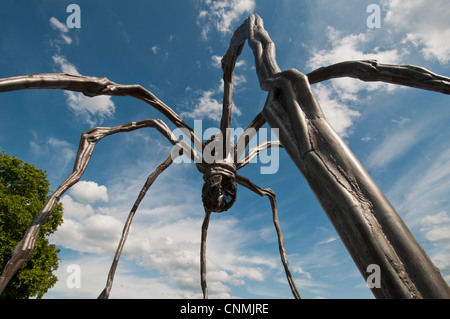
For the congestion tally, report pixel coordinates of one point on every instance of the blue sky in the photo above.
(172, 48)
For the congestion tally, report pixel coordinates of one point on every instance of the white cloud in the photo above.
(73, 209)
(207, 106)
(421, 199)
(217, 62)
(155, 49)
(92, 233)
(402, 121)
(336, 95)
(425, 25)
(350, 47)
(223, 14)
(164, 241)
(57, 25)
(169, 247)
(94, 270)
(338, 114)
(65, 65)
(92, 110)
(437, 219)
(89, 192)
(327, 241)
(62, 28)
(436, 229)
(437, 233)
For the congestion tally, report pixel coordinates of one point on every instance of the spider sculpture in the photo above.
(220, 176)
(219, 189)
(367, 223)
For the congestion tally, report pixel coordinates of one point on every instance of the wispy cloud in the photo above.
(57, 25)
(155, 49)
(64, 65)
(217, 62)
(420, 194)
(90, 110)
(221, 15)
(436, 229)
(62, 28)
(396, 144)
(206, 104)
(421, 198)
(205, 107)
(337, 95)
(64, 151)
(163, 246)
(345, 47)
(339, 114)
(424, 24)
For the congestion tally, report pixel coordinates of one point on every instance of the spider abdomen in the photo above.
(219, 190)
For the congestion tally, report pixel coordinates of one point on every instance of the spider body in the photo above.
(219, 190)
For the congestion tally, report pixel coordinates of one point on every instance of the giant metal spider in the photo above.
(365, 220)
(220, 176)
(219, 190)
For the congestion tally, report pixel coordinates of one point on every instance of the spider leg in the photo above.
(203, 253)
(151, 178)
(248, 134)
(244, 181)
(24, 249)
(92, 86)
(255, 151)
(371, 70)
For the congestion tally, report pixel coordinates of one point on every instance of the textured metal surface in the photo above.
(366, 222)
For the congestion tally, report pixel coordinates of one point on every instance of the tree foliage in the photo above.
(24, 189)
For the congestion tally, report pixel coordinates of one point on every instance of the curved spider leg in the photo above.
(92, 86)
(203, 253)
(371, 70)
(255, 151)
(151, 178)
(244, 181)
(24, 249)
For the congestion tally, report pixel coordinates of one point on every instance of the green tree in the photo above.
(24, 189)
